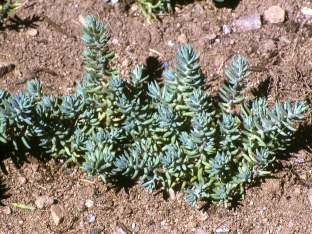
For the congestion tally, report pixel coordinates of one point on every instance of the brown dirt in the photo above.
(281, 56)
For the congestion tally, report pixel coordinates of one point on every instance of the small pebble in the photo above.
(58, 213)
(163, 223)
(211, 37)
(96, 230)
(134, 8)
(32, 32)
(115, 41)
(133, 225)
(171, 194)
(114, 1)
(21, 180)
(222, 230)
(126, 63)
(89, 203)
(82, 20)
(90, 218)
(171, 43)
(165, 65)
(275, 14)
(250, 22)
(82, 207)
(226, 29)
(5, 210)
(307, 12)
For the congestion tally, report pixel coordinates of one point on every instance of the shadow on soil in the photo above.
(20, 157)
(15, 23)
(224, 4)
(3, 192)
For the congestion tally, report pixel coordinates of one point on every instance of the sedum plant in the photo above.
(174, 136)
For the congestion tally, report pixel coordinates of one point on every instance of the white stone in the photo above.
(226, 29)
(222, 230)
(307, 12)
(89, 203)
(171, 43)
(32, 32)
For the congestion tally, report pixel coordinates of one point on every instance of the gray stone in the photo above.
(274, 15)
(250, 22)
(91, 218)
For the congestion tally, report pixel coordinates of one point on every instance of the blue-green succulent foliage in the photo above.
(177, 135)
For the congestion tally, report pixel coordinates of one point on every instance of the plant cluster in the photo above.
(175, 136)
(7, 9)
(150, 8)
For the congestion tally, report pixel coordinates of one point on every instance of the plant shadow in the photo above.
(3, 192)
(16, 23)
(19, 157)
(232, 4)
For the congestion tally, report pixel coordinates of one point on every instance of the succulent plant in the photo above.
(175, 136)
